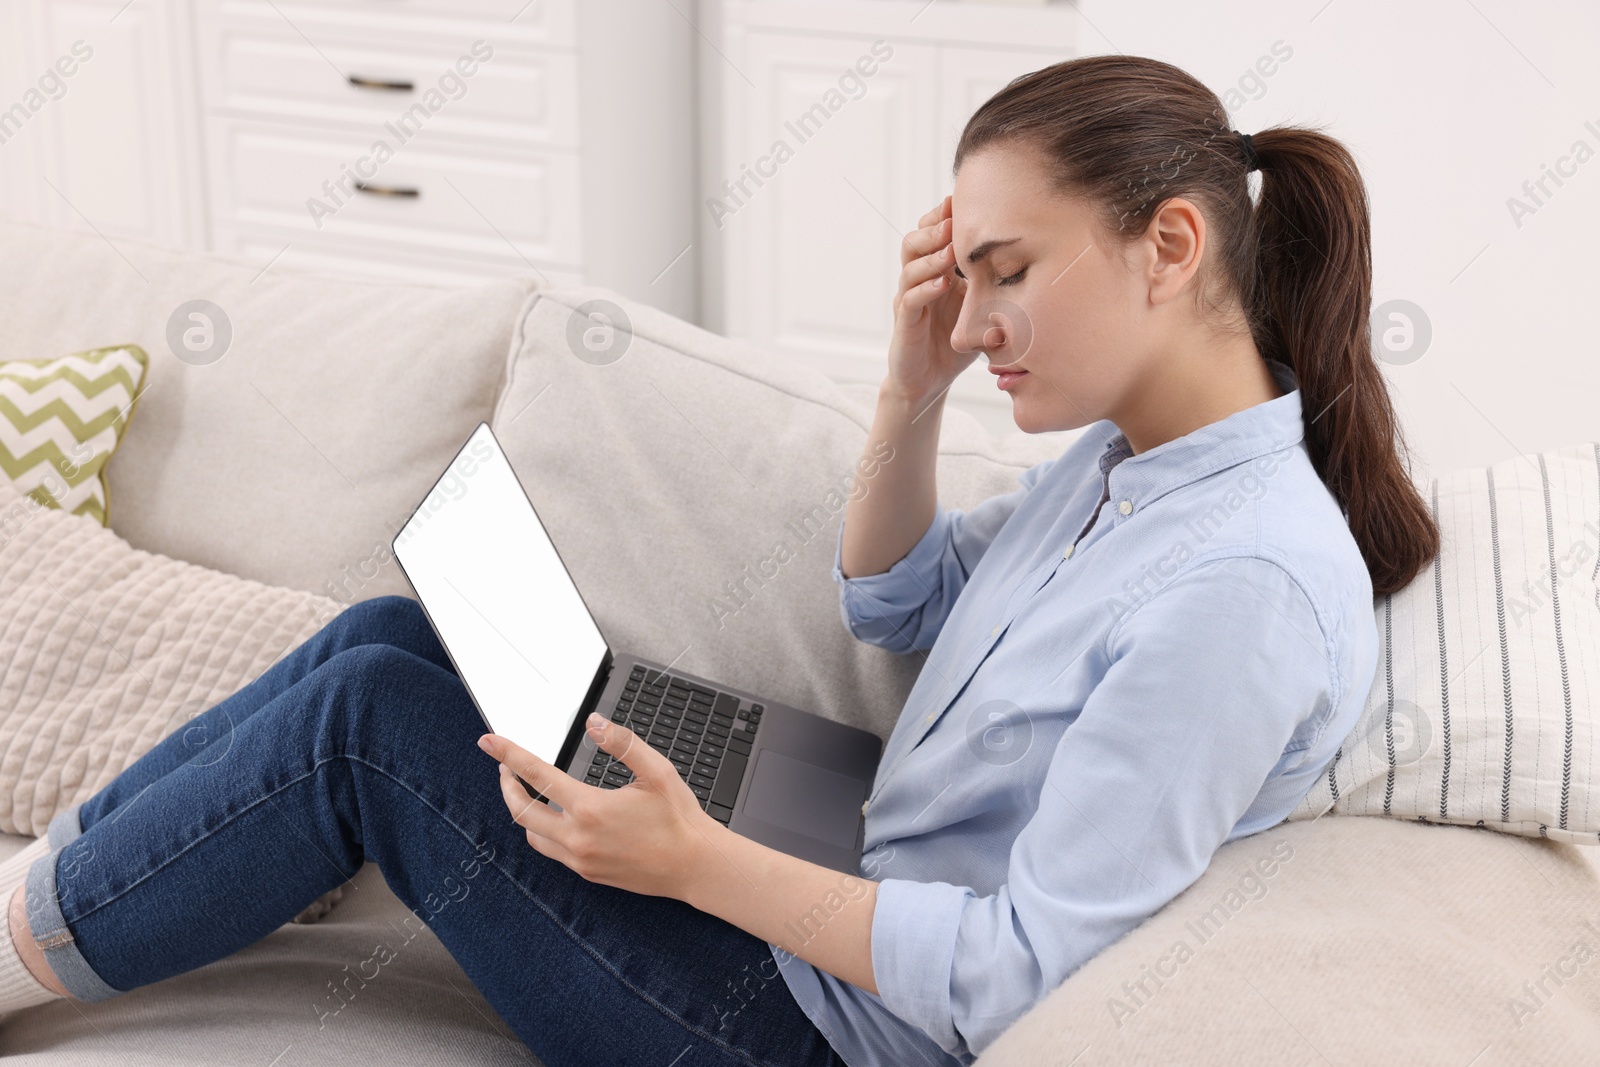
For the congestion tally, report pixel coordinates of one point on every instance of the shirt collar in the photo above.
(1269, 426)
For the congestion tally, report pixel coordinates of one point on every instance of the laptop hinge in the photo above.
(591, 700)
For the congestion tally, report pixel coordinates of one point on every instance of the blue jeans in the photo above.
(359, 745)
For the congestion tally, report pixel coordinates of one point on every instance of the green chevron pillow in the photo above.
(60, 420)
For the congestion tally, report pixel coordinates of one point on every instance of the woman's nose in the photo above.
(1000, 328)
(960, 337)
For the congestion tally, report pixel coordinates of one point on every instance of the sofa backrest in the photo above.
(695, 486)
(287, 459)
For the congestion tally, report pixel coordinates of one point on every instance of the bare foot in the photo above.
(32, 955)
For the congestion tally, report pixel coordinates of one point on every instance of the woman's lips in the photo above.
(1006, 379)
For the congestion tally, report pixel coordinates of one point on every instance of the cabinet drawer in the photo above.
(541, 22)
(529, 97)
(482, 202)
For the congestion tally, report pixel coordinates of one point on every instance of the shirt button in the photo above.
(863, 807)
(1068, 553)
(995, 630)
(1126, 507)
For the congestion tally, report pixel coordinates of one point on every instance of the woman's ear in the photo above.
(1175, 241)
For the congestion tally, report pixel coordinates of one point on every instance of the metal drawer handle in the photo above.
(387, 190)
(380, 84)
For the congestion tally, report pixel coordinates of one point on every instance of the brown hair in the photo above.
(1129, 133)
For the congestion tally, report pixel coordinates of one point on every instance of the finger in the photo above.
(526, 812)
(929, 266)
(920, 296)
(926, 239)
(530, 768)
(625, 745)
(934, 214)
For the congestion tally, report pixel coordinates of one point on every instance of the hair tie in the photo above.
(1249, 148)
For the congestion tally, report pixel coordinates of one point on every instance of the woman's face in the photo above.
(1048, 295)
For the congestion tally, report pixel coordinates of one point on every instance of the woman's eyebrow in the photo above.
(977, 254)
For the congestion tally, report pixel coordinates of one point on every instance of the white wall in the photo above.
(1449, 107)
(631, 244)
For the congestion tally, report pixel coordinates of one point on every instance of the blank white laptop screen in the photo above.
(501, 600)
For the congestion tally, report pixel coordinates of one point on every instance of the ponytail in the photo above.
(1129, 133)
(1308, 304)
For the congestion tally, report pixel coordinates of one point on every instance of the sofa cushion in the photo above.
(60, 420)
(695, 486)
(275, 1003)
(105, 649)
(305, 418)
(1482, 712)
(1344, 941)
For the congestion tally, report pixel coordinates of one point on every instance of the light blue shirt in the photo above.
(1109, 693)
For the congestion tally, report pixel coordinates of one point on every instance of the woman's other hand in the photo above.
(922, 362)
(646, 836)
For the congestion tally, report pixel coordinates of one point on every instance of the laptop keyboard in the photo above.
(704, 733)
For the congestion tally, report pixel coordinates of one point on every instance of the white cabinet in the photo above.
(111, 145)
(806, 260)
(443, 141)
(449, 140)
(430, 140)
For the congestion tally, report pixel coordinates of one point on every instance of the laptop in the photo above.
(533, 658)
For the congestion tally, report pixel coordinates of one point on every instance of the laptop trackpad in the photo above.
(807, 799)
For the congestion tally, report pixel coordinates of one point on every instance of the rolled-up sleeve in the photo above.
(1206, 684)
(904, 607)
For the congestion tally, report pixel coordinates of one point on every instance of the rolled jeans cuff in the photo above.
(49, 926)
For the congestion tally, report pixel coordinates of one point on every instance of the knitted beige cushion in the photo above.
(105, 649)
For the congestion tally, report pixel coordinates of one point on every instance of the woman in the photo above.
(1150, 648)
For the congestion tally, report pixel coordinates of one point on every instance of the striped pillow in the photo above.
(1484, 708)
(60, 420)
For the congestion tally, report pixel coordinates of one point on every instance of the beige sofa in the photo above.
(670, 476)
